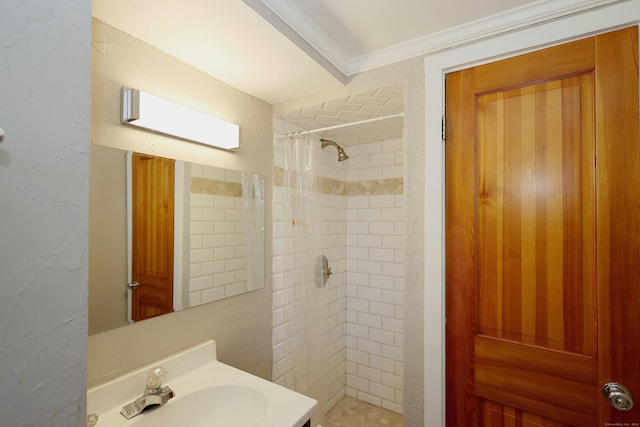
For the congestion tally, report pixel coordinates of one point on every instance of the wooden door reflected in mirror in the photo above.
(152, 254)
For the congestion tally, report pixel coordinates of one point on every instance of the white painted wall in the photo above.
(44, 109)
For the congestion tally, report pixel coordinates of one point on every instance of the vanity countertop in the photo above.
(200, 382)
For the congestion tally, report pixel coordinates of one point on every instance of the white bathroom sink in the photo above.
(207, 393)
(219, 406)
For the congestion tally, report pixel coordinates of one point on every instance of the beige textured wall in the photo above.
(107, 238)
(241, 325)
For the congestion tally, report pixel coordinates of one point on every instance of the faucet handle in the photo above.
(155, 379)
(92, 420)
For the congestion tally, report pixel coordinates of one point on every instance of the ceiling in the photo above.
(366, 108)
(258, 46)
(280, 50)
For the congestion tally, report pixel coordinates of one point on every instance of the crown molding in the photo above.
(482, 29)
(522, 17)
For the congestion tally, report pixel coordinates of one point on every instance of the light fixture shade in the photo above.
(151, 112)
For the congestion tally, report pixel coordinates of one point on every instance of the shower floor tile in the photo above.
(350, 412)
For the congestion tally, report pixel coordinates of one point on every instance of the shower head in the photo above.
(341, 154)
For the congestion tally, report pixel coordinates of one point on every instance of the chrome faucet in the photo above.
(154, 394)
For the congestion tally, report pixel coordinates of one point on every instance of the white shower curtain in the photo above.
(253, 226)
(304, 309)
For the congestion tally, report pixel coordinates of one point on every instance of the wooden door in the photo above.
(543, 236)
(153, 234)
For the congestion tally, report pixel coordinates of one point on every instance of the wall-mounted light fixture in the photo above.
(157, 114)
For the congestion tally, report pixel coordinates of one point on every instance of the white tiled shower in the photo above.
(364, 236)
(376, 234)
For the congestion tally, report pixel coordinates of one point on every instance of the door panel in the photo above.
(153, 235)
(493, 414)
(542, 236)
(535, 209)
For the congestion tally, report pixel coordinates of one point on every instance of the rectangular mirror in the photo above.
(166, 235)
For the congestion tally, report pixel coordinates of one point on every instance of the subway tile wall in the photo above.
(363, 235)
(334, 247)
(318, 369)
(376, 238)
(216, 256)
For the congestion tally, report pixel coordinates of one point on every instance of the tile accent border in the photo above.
(218, 188)
(374, 187)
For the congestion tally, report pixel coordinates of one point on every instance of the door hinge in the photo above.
(444, 128)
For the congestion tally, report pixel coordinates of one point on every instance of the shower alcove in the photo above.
(346, 338)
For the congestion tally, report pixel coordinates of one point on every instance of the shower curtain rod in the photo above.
(361, 122)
